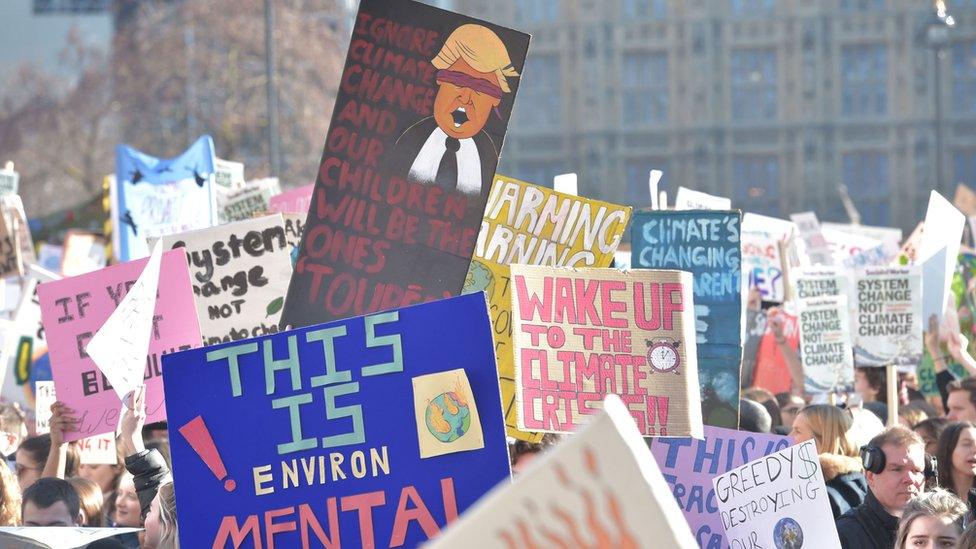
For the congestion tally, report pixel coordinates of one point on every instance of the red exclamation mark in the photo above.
(662, 415)
(196, 433)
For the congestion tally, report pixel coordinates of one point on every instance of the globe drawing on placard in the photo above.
(448, 417)
(788, 534)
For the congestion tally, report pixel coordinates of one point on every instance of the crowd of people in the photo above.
(46, 484)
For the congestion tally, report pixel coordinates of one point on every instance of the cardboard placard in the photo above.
(688, 199)
(9, 180)
(707, 244)
(938, 252)
(74, 309)
(887, 316)
(825, 345)
(532, 225)
(295, 201)
(763, 266)
(408, 161)
(50, 257)
(600, 488)
(581, 334)
(772, 372)
(689, 465)
(155, 197)
(13, 211)
(240, 274)
(816, 248)
(813, 282)
(119, 345)
(228, 175)
(779, 500)
(83, 252)
(336, 409)
(251, 199)
(24, 357)
(44, 398)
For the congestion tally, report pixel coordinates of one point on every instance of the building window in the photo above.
(866, 177)
(863, 5)
(964, 167)
(645, 88)
(540, 94)
(753, 84)
(531, 12)
(864, 80)
(755, 180)
(639, 10)
(637, 173)
(751, 8)
(538, 172)
(964, 77)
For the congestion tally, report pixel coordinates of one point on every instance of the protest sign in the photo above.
(228, 175)
(24, 355)
(98, 450)
(883, 254)
(689, 464)
(339, 455)
(763, 266)
(11, 261)
(9, 179)
(532, 225)
(938, 251)
(815, 247)
(887, 316)
(240, 274)
(755, 328)
(13, 211)
(825, 343)
(779, 500)
(811, 282)
(83, 252)
(50, 256)
(118, 347)
(408, 161)
(705, 243)
(44, 397)
(581, 334)
(688, 199)
(154, 197)
(294, 201)
(600, 488)
(93, 450)
(56, 537)
(251, 199)
(863, 232)
(73, 309)
(294, 229)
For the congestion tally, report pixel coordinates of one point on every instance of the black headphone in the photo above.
(873, 459)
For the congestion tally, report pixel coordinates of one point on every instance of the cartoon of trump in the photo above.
(451, 149)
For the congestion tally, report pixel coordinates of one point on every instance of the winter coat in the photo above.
(867, 526)
(149, 472)
(846, 485)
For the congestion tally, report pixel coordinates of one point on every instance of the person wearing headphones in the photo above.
(895, 467)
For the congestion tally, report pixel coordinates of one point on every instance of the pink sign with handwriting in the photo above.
(73, 309)
(293, 201)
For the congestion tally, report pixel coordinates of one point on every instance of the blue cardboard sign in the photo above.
(316, 436)
(706, 243)
(155, 197)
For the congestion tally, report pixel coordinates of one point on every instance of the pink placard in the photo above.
(73, 309)
(689, 465)
(293, 201)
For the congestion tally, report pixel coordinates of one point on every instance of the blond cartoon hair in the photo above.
(481, 48)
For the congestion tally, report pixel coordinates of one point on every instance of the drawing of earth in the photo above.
(788, 534)
(447, 417)
(479, 278)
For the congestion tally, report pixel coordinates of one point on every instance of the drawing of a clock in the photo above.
(663, 356)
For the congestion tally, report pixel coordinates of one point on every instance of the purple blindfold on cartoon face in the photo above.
(463, 80)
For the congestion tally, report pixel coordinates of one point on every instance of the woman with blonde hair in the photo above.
(9, 498)
(828, 426)
(161, 527)
(931, 520)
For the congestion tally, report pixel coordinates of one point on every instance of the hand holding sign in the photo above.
(133, 418)
(120, 347)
